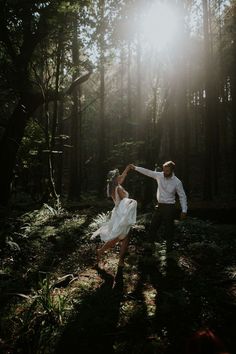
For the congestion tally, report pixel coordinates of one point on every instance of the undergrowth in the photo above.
(53, 298)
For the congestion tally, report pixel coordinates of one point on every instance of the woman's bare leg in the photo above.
(123, 249)
(106, 246)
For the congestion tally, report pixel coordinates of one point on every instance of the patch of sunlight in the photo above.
(48, 231)
(187, 264)
(85, 284)
(231, 271)
(99, 220)
(132, 280)
(160, 254)
(150, 294)
(126, 311)
(76, 221)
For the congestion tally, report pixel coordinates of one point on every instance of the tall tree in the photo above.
(23, 28)
(211, 123)
(75, 162)
(102, 128)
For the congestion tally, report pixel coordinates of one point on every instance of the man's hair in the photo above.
(170, 164)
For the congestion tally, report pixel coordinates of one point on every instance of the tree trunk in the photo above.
(171, 126)
(123, 116)
(58, 73)
(139, 116)
(233, 112)
(61, 148)
(11, 140)
(102, 141)
(14, 133)
(129, 90)
(211, 119)
(60, 108)
(75, 172)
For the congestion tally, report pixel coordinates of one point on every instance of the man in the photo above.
(168, 186)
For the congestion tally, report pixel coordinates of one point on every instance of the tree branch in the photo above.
(78, 82)
(53, 95)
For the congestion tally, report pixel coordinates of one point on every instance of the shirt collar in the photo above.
(173, 175)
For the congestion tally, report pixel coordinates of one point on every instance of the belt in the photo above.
(165, 204)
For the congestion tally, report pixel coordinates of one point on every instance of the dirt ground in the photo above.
(54, 299)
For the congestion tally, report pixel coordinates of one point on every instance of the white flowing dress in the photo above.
(123, 216)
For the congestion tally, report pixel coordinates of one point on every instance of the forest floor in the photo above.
(55, 300)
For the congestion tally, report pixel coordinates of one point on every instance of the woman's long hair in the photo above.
(112, 181)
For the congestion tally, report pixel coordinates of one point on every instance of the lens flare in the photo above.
(159, 25)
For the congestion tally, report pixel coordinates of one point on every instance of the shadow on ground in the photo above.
(185, 294)
(93, 326)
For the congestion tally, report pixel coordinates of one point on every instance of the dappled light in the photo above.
(155, 302)
(118, 176)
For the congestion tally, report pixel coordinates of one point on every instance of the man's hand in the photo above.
(131, 166)
(183, 216)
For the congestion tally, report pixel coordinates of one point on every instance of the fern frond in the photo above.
(99, 220)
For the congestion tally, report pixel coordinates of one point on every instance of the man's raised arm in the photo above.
(144, 171)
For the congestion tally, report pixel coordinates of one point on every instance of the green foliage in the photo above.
(32, 144)
(158, 287)
(53, 304)
(99, 220)
(40, 317)
(56, 209)
(125, 152)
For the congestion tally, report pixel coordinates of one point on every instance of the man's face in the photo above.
(167, 171)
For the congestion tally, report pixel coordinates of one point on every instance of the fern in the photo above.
(99, 220)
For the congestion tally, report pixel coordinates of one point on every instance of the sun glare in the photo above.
(159, 25)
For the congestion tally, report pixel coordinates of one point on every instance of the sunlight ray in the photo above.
(159, 25)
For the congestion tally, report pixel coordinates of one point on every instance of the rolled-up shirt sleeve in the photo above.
(182, 197)
(147, 172)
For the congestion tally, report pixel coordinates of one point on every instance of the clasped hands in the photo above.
(130, 167)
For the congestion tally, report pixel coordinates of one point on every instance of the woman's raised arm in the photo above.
(122, 177)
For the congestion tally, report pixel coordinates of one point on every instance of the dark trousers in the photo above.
(164, 215)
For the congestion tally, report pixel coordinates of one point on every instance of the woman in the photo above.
(123, 216)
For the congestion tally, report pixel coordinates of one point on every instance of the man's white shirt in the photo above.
(167, 187)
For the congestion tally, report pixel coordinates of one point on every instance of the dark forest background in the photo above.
(86, 87)
(82, 92)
